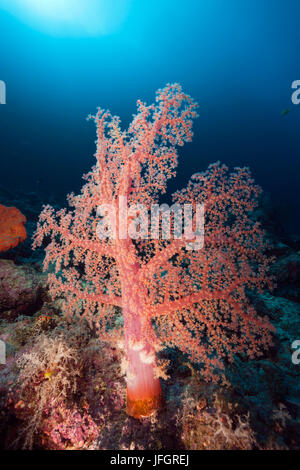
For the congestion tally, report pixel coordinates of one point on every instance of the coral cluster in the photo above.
(12, 227)
(62, 385)
(169, 295)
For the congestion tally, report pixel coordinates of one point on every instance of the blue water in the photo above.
(237, 58)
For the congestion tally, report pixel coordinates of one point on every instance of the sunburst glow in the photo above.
(70, 17)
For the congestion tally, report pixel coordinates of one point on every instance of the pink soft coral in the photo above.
(194, 299)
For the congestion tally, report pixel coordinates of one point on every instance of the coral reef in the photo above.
(45, 353)
(63, 384)
(170, 295)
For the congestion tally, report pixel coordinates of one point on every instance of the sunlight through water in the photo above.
(70, 17)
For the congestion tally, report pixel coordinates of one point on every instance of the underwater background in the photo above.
(59, 61)
(237, 59)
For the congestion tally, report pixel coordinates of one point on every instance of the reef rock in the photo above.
(287, 274)
(22, 290)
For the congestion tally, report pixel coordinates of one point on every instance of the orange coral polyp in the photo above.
(12, 229)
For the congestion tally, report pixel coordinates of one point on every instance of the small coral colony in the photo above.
(123, 309)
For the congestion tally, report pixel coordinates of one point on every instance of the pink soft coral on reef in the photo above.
(169, 295)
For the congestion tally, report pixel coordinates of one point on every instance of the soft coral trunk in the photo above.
(144, 393)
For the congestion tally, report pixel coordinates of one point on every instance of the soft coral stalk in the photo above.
(169, 295)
